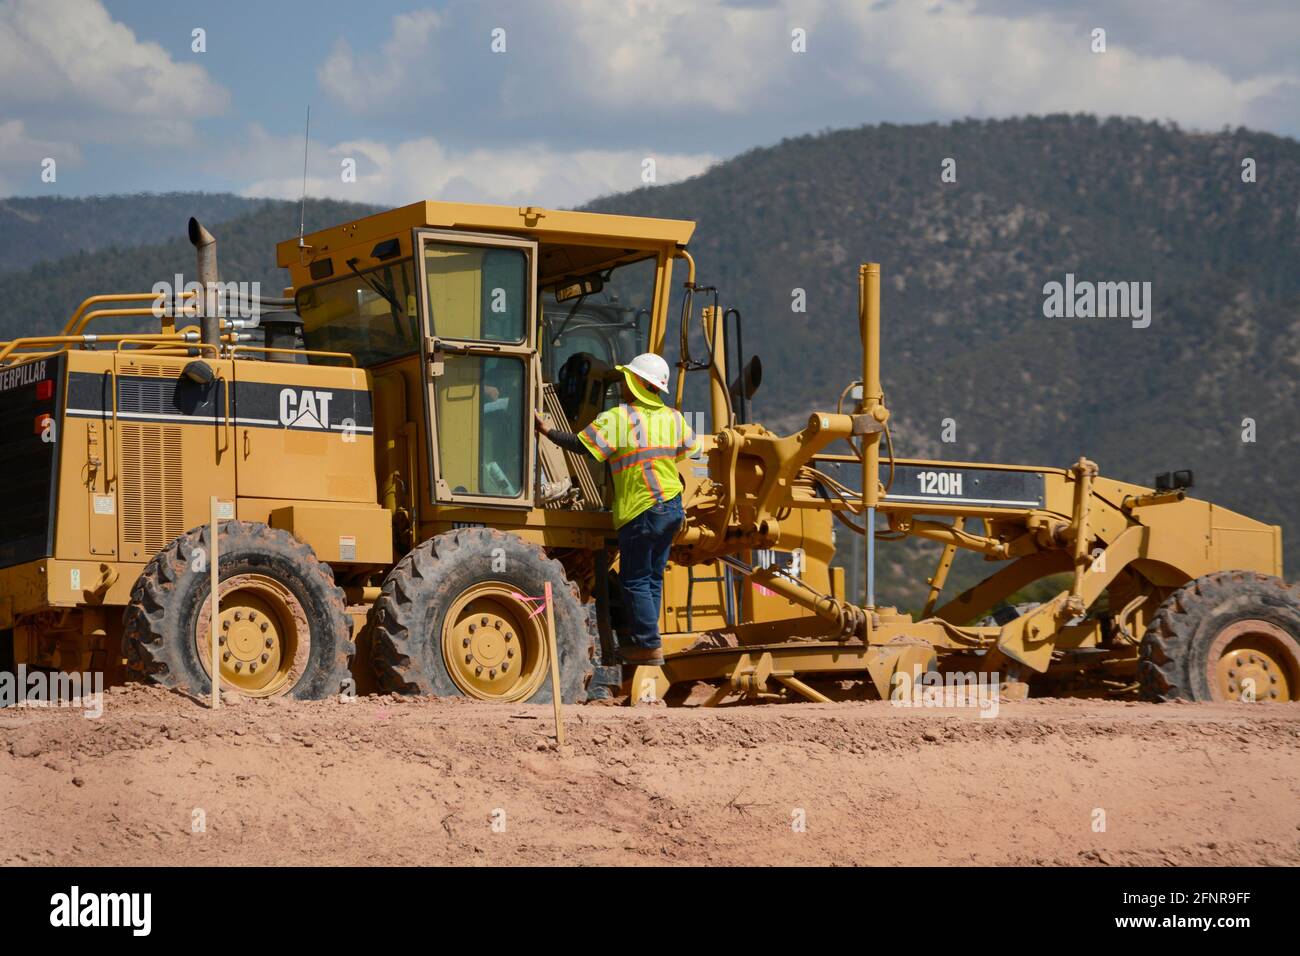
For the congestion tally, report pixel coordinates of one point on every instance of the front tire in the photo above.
(283, 629)
(451, 620)
(1232, 635)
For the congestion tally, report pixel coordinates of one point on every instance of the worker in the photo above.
(642, 440)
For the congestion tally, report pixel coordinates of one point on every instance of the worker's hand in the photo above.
(539, 423)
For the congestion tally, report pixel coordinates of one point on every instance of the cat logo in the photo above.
(305, 409)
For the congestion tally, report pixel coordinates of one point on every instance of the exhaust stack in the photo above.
(205, 250)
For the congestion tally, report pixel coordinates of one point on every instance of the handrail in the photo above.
(8, 348)
(72, 326)
(119, 313)
(186, 344)
(223, 387)
(352, 359)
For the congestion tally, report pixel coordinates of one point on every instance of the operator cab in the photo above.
(469, 317)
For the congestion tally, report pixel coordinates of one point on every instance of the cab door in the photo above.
(479, 297)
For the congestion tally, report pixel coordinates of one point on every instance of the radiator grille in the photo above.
(137, 396)
(153, 510)
(149, 369)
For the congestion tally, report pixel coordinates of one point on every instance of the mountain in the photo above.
(39, 229)
(966, 336)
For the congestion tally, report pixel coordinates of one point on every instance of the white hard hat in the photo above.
(650, 368)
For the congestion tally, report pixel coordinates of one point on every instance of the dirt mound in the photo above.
(158, 779)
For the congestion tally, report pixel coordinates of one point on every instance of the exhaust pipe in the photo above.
(205, 250)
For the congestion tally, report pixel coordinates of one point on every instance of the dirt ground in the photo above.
(159, 780)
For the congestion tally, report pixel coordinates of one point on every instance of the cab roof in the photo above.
(570, 242)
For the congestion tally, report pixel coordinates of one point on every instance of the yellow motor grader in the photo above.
(388, 518)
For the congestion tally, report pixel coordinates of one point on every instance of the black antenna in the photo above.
(302, 207)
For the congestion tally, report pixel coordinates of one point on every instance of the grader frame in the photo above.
(386, 475)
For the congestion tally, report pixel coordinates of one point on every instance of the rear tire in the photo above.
(283, 624)
(1232, 635)
(448, 624)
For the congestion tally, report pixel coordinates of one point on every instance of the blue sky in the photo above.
(585, 90)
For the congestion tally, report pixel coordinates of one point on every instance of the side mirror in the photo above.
(747, 382)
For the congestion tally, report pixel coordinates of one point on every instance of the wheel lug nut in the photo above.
(252, 615)
(509, 637)
(1231, 672)
(473, 628)
(221, 639)
(1272, 694)
(226, 656)
(268, 642)
(265, 658)
(498, 624)
(492, 673)
(252, 667)
(265, 627)
(483, 620)
(465, 642)
(477, 671)
(1272, 678)
(510, 652)
(238, 665)
(239, 615)
(469, 658)
(225, 625)
(505, 666)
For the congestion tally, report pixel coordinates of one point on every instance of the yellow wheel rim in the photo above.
(1254, 661)
(493, 645)
(263, 637)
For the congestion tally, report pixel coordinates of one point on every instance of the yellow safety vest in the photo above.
(642, 444)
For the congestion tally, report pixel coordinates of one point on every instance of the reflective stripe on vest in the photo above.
(644, 474)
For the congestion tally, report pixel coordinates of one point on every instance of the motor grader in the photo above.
(388, 519)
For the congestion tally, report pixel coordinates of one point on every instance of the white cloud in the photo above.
(669, 54)
(21, 156)
(395, 73)
(72, 72)
(423, 168)
(957, 61)
(671, 61)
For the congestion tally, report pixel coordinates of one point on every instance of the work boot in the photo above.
(641, 655)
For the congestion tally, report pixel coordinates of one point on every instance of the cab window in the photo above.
(477, 293)
(371, 314)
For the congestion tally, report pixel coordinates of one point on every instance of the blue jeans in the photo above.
(643, 545)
